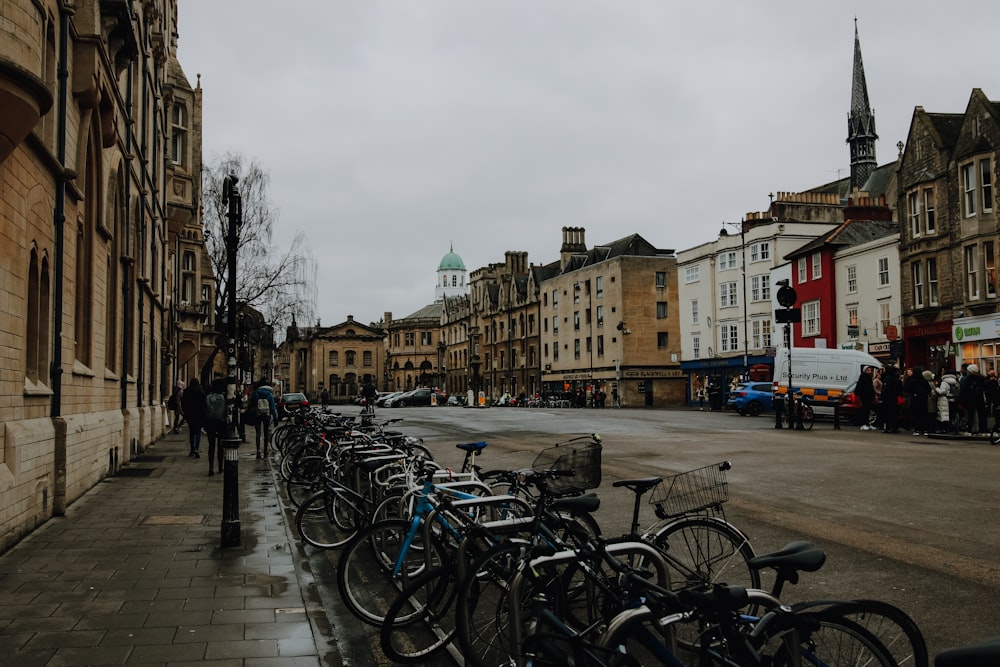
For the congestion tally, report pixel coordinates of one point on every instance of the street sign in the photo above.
(788, 315)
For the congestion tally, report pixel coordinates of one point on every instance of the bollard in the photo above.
(230, 489)
(778, 403)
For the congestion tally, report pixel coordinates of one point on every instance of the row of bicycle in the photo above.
(510, 567)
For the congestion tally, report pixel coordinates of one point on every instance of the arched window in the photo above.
(83, 319)
(36, 347)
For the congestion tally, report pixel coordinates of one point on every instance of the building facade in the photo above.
(340, 358)
(96, 203)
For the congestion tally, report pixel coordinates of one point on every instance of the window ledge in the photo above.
(33, 389)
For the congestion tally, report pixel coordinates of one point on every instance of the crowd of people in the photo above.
(957, 402)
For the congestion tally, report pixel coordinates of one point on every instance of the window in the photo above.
(918, 285)
(972, 272)
(692, 274)
(600, 346)
(366, 358)
(929, 219)
(986, 178)
(661, 279)
(178, 139)
(349, 357)
(913, 205)
(810, 318)
(883, 271)
(555, 298)
(696, 347)
(817, 266)
(730, 338)
(760, 252)
(576, 320)
(802, 270)
(694, 311)
(599, 286)
(661, 340)
(932, 281)
(334, 358)
(37, 332)
(990, 269)
(555, 325)
(969, 189)
(661, 309)
(576, 348)
(883, 315)
(727, 295)
(760, 288)
(454, 281)
(727, 260)
(600, 316)
(410, 338)
(852, 279)
(852, 321)
(555, 352)
(760, 333)
(426, 338)
(576, 292)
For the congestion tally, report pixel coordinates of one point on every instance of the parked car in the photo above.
(291, 402)
(419, 396)
(751, 398)
(455, 400)
(383, 397)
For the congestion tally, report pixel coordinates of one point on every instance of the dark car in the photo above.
(751, 398)
(291, 402)
(421, 396)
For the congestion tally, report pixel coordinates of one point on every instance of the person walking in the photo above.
(865, 391)
(892, 390)
(993, 395)
(193, 403)
(940, 395)
(174, 405)
(917, 391)
(215, 423)
(950, 389)
(262, 401)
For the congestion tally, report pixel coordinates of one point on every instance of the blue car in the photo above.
(751, 398)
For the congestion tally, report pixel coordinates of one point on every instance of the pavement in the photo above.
(134, 574)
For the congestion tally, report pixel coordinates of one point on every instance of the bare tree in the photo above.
(278, 285)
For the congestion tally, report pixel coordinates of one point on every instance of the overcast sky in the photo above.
(394, 130)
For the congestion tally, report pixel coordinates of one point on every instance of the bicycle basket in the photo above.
(691, 491)
(583, 457)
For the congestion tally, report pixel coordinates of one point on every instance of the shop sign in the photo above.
(639, 373)
(875, 349)
(968, 329)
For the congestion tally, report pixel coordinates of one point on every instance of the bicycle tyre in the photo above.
(304, 479)
(808, 417)
(364, 573)
(320, 521)
(419, 622)
(836, 641)
(706, 550)
(481, 612)
(897, 632)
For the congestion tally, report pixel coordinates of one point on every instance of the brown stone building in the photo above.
(99, 210)
(340, 359)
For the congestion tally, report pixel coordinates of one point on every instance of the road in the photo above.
(910, 520)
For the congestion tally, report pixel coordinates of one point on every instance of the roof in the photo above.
(848, 234)
(451, 262)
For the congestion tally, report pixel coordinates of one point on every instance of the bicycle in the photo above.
(801, 416)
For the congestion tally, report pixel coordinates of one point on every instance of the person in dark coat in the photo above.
(865, 390)
(918, 390)
(892, 389)
(193, 402)
(215, 428)
(974, 398)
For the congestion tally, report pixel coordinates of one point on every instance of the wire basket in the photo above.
(692, 491)
(581, 455)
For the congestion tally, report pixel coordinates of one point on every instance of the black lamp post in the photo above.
(230, 443)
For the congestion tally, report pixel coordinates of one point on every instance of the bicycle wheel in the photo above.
(304, 479)
(327, 521)
(828, 640)
(704, 549)
(428, 600)
(481, 611)
(365, 576)
(995, 434)
(894, 629)
(808, 417)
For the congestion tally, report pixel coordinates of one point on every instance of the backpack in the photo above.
(954, 389)
(263, 407)
(215, 407)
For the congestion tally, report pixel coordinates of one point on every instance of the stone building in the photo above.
(948, 236)
(339, 358)
(414, 350)
(96, 203)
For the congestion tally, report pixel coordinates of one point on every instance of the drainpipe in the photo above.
(59, 223)
(127, 258)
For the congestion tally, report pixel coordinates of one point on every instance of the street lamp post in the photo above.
(230, 443)
(743, 263)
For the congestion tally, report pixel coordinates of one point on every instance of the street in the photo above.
(909, 520)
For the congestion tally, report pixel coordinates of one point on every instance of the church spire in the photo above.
(861, 134)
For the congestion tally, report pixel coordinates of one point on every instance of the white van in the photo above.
(822, 374)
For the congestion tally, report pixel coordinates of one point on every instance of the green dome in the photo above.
(451, 262)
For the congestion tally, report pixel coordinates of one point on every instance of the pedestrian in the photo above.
(951, 389)
(700, 392)
(864, 389)
(194, 406)
(266, 411)
(370, 394)
(174, 405)
(892, 390)
(917, 390)
(940, 395)
(993, 394)
(215, 423)
(974, 399)
(324, 397)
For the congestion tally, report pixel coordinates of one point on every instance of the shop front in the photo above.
(928, 346)
(976, 340)
(715, 376)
